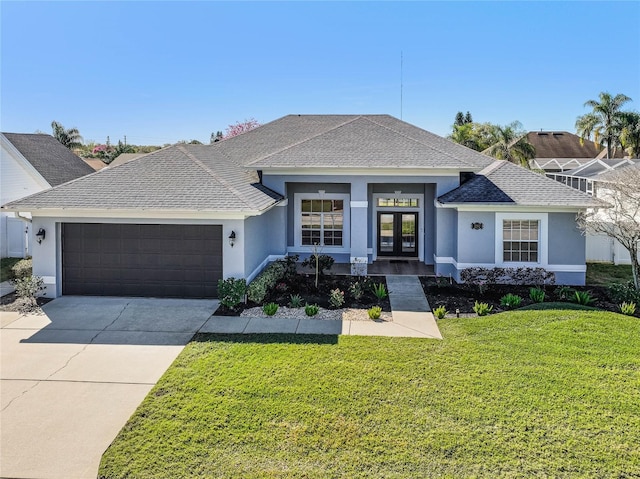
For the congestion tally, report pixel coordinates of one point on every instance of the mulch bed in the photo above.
(304, 285)
(11, 302)
(461, 297)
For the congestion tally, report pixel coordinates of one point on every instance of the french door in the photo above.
(397, 234)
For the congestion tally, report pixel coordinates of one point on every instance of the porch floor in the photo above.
(389, 267)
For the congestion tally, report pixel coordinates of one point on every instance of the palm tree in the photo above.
(510, 143)
(630, 135)
(70, 138)
(605, 121)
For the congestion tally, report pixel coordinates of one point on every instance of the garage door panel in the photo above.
(141, 260)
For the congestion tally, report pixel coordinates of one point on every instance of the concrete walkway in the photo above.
(412, 318)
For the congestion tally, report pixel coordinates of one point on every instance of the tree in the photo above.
(468, 118)
(462, 119)
(630, 134)
(510, 143)
(240, 127)
(216, 137)
(604, 121)
(621, 220)
(70, 138)
(477, 136)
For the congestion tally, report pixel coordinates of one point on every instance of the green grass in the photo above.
(557, 305)
(5, 268)
(603, 274)
(518, 394)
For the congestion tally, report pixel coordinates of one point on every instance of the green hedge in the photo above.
(270, 276)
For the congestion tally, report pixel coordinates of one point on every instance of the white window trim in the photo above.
(543, 239)
(346, 226)
(417, 209)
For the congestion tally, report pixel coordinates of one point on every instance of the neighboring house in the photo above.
(96, 163)
(360, 187)
(30, 163)
(584, 177)
(558, 151)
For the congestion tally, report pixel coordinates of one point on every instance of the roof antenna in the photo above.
(401, 84)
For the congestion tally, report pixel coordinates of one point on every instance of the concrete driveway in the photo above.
(70, 379)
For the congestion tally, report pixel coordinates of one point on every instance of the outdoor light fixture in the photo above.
(232, 238)
(477, 226)
(40, 235)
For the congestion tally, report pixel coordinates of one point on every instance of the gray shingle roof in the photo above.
(348, 141)
(55, 162)
(185, 177)
(509, 184)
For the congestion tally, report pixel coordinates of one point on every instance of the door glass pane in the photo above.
(386, 233)
(408, 233)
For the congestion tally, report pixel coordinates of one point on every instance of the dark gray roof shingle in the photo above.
(55, 162)
(509, 184)
(185, 177)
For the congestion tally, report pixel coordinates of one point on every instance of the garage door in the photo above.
(182, 261)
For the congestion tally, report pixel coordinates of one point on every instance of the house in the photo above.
(558, 151)
(360, 188)
(584, 177)
(30, 163)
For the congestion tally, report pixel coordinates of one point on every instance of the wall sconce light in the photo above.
(40, 235)
(232, 238)
(477, 226)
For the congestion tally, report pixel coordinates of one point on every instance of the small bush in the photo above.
(325, 263)
(295, 301)
(336, 298)
(27, 289)
(356, 289)
(231, 292)
(311, 309)
(270, 276)
(511, 301)
(22, 269)
(374, 312)
(628, 308)
(440, 312)
(537, 295)
(583, 297)
(624, 293)
(270, 309)
(380, 290)
(482, 309)
(521, 276)
(565, 293)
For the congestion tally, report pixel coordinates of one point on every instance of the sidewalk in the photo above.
(412, 318)
(6, 288)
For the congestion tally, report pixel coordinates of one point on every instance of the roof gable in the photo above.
(53, 161)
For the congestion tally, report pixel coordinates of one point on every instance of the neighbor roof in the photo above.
(123, 158)
(506, 183)
(631, 171)
(562, 144)
(347, 141)
(185, 177)
(55, 162)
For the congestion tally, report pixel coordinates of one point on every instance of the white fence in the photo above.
(14, 237)
(603, 249)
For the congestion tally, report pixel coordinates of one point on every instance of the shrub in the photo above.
(482, 309)
(374, 312)
(295, 301)
(356, 289)
(537, 295)
(511, 301)
(270, 309)
(564, 292)
(22, 269)
(522, 276)
(26, 289)
(628, 308)
(440, 312)
(624, 293)
(231, 292)
(336, 298)
(311, 309)
(325, 263)
(270, 276)
(583, 297)
(380, 290)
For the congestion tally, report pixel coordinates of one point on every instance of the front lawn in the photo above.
(5, 268)
(519, 394)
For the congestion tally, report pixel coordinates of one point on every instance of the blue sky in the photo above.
(160, 72)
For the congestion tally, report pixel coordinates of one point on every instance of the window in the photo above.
(322, 222)
(520, 241)
(398, 202)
